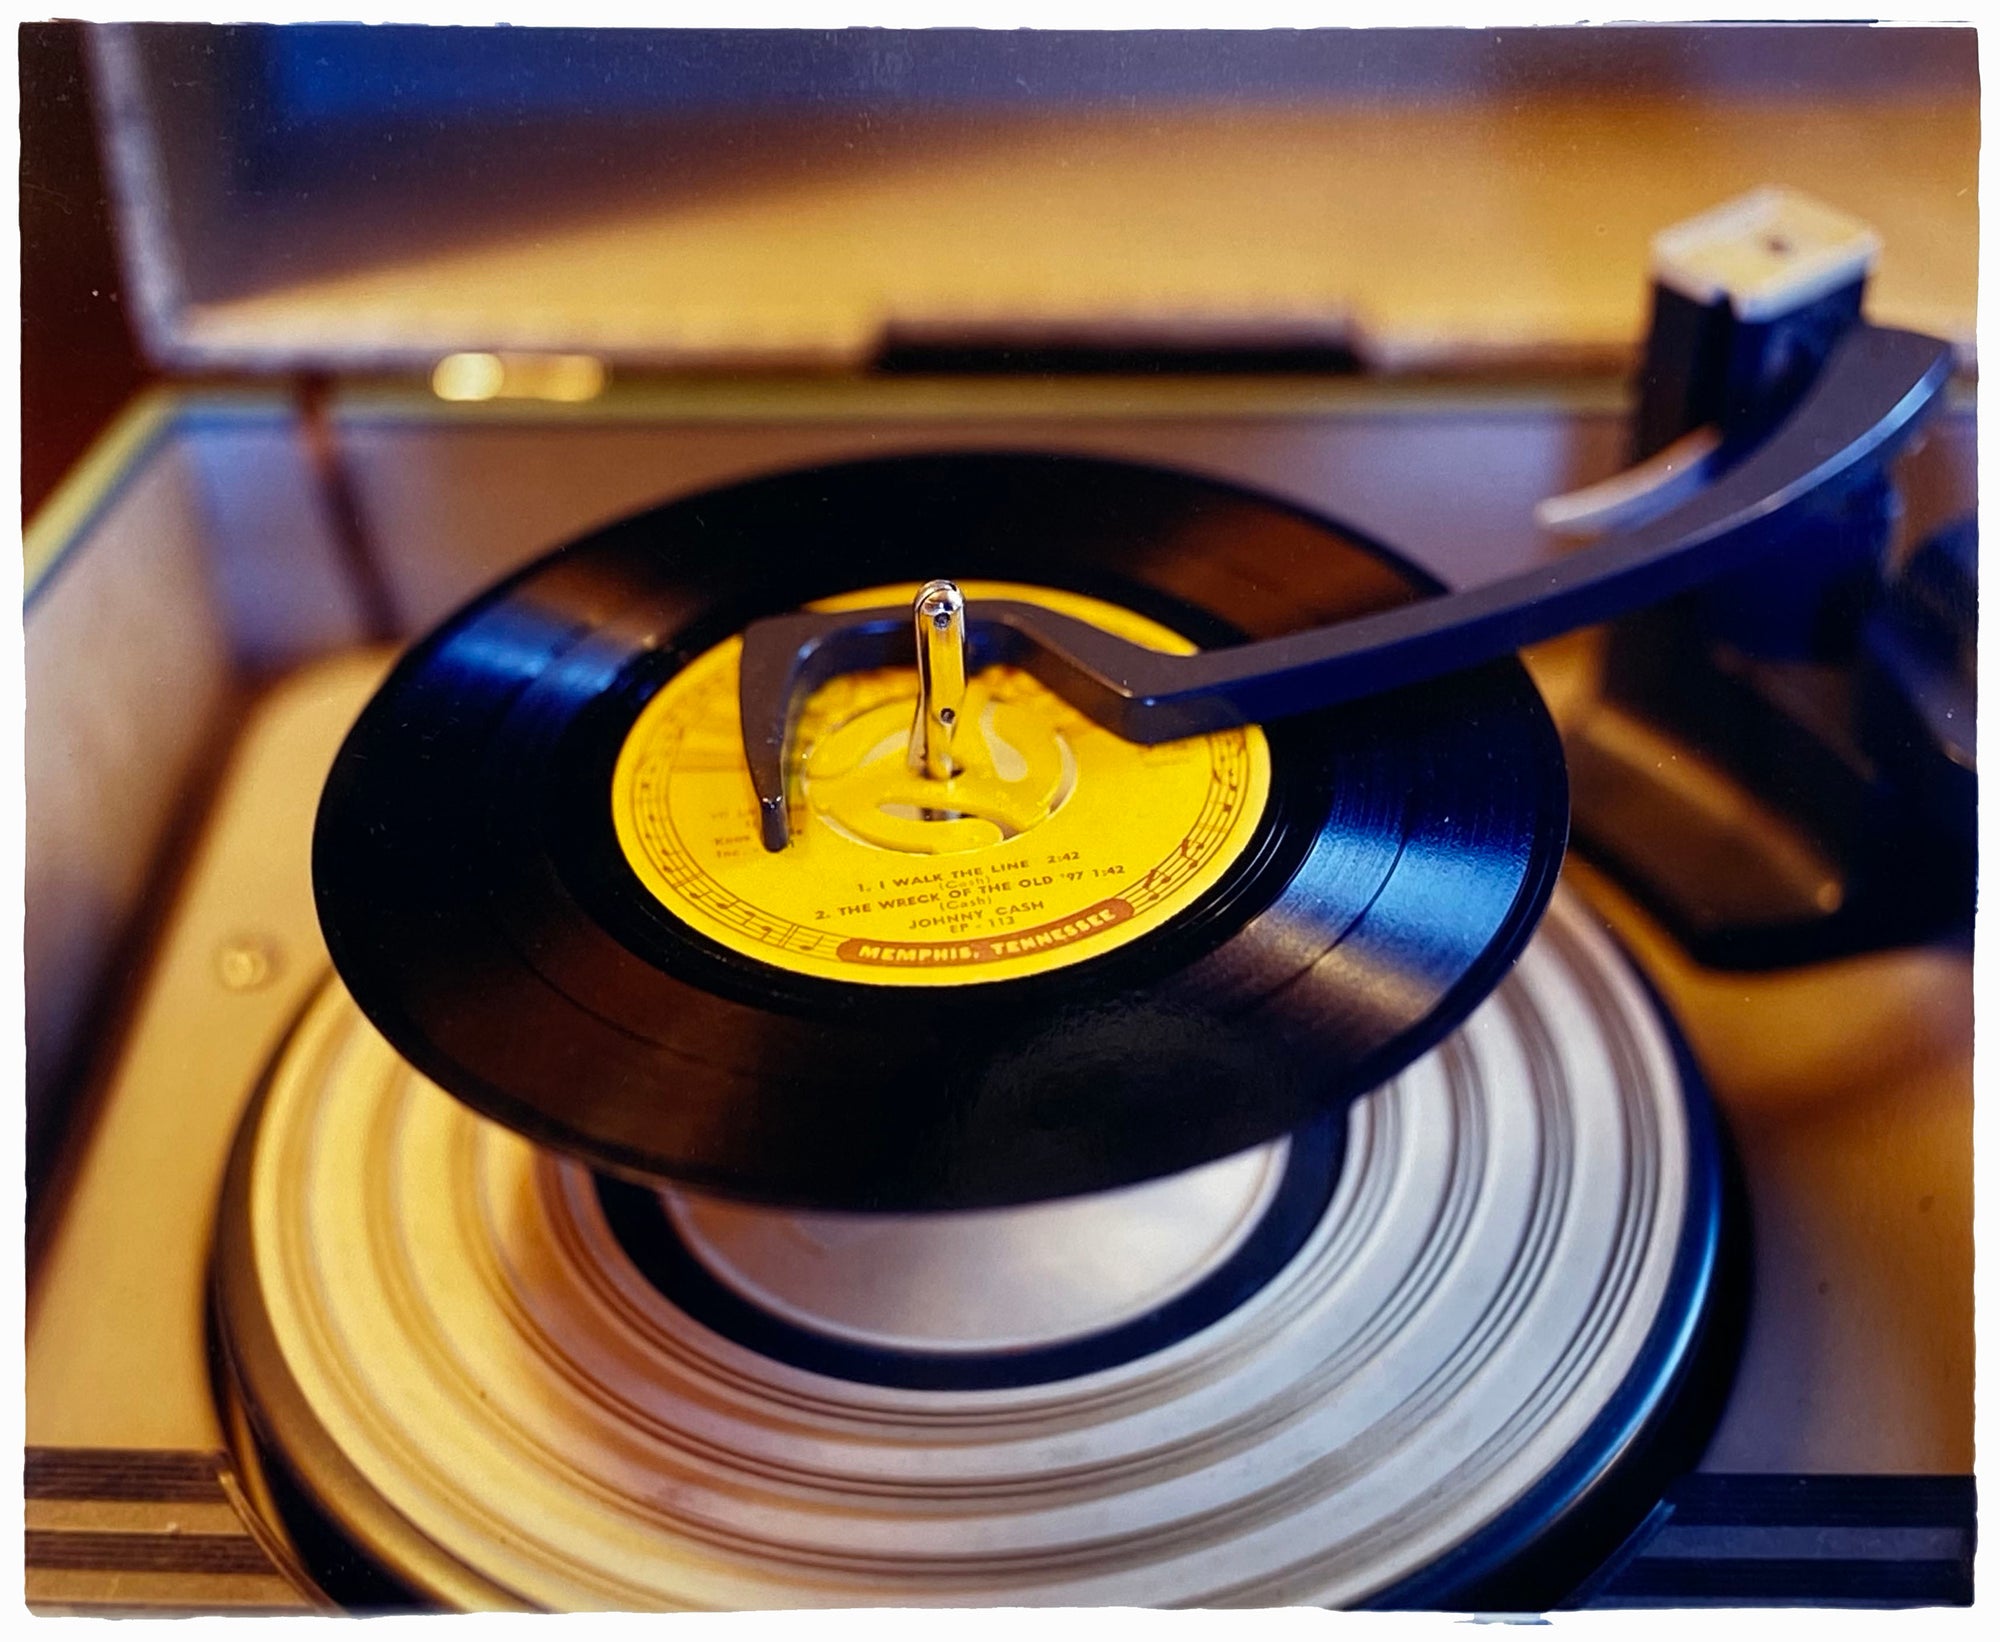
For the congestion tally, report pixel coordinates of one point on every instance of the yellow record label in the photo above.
(1054, 841)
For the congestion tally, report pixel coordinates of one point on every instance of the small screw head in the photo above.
(246, 962)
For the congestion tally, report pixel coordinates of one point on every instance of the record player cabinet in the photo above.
(208, 593)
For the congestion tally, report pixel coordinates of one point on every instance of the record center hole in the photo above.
(1013, 768)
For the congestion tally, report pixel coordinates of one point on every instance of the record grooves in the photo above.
(476, 902)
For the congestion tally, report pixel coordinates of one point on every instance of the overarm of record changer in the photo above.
(1866, 400)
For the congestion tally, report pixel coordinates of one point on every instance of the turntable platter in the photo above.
(461, 1348)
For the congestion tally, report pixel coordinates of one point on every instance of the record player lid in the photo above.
(344, 198)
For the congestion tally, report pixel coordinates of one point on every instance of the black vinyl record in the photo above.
(479, 907)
